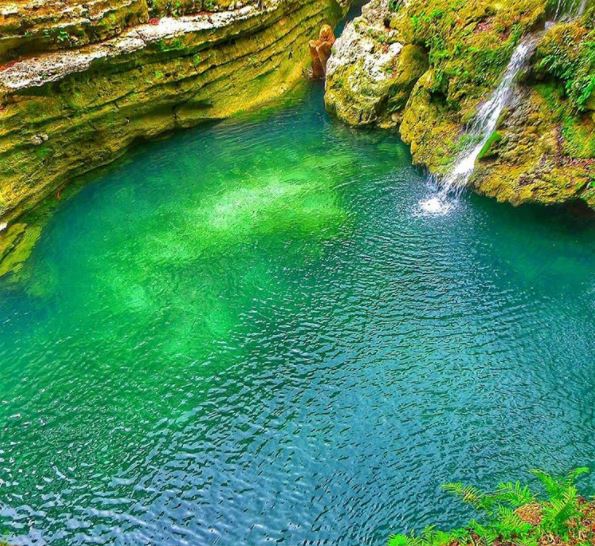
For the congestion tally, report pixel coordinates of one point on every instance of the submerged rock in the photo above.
(425, 66)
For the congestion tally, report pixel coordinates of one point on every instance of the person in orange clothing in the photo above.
(320, 51)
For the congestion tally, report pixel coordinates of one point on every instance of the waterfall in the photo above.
(480, 131)
(568, 9)
(486, 120)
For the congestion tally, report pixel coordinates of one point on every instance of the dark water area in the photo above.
(250, 334)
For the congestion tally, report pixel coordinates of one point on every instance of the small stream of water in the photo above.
(486, 119)
(479, 133)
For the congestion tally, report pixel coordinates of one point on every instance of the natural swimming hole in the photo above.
(248, 334)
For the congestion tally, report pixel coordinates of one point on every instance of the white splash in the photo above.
(435, 206)
(481, 129)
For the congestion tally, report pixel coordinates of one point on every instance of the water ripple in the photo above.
(248, 334)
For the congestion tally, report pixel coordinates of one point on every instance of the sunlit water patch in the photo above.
(249, 334)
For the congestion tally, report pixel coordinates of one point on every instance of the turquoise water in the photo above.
(249, 334)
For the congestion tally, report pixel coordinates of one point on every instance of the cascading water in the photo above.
(487, 117)
(480, 131)
(570, 9)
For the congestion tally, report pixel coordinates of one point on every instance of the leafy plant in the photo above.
(514, 514)
(568, 54)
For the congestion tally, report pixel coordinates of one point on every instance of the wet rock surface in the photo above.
(424, 68)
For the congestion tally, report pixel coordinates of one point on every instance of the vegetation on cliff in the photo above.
(514, 515)
(63, 113)
(33, 27)
(543, 149)
(567, 53)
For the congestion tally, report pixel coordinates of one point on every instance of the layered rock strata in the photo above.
(63, 113)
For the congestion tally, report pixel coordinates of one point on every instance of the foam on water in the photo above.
(486, 120)
(435, 206)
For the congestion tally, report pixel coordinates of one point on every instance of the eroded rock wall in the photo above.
(37, 26)
(66, 112)
(423, 67)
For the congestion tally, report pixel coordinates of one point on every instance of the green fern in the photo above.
(557, 487)
(508, 525)
(514, 494)
(470, 495)
(558, 514)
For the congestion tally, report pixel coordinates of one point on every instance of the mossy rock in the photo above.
(566, 54)
(411, 65)
(487, 150)
(544, 146)
(81, 119)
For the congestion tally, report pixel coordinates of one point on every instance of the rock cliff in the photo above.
(82, 80)
(424, 67)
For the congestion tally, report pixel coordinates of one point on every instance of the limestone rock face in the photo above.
(532, 161)
(67, 110)
(425, 67)
(36, 26)
(370, 74)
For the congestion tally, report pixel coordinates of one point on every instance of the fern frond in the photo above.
(487, 533)
(558, 513)
(552, 486)
(572, 476)
(509, 525)
(530, 540)
(513, 494)
(399, 540)
(469, 494)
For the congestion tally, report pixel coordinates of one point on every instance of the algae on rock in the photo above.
(544, 148)
(67, 112)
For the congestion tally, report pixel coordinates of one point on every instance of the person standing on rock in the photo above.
(320, 51)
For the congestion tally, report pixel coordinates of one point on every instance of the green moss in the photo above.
(412, 63)
(43, 151)
(577, 129)
(487, 150)
(468, 43)
(579, 138)
(16, 245)
(567, 53)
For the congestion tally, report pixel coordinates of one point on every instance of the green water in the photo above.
(249, 333)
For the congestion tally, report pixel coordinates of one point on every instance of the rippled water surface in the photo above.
(248, 334)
